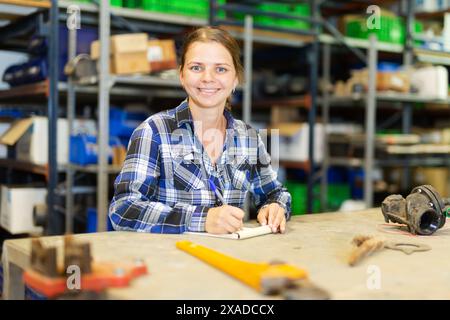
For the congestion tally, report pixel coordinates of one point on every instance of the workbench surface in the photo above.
(320, 243)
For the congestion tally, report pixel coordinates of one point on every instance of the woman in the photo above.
(190, 168)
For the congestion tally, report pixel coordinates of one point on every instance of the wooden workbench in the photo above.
(320, 243)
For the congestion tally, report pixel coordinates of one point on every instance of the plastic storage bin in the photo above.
(123, 123)
(132, 3)
(337, 194)
(84, 149)
(298, 193)
(301, 10)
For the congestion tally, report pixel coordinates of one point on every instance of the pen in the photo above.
(219, 196)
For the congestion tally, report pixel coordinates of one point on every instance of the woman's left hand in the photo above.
(273, 215)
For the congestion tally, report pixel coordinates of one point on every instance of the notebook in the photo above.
(245, 233)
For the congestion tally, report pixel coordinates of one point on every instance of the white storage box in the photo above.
(30, 136)
(294, 141)
(432, 82)
(16, 215)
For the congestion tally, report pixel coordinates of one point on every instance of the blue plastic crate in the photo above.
(122, 123)
(13, 113)
(84, 149)
(356, 178)
(91, 225)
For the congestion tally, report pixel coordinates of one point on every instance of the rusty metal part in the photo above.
(50, 279)
(44, 260)
(423, 211)
(267, 278)
(365, 246)
(78, 254)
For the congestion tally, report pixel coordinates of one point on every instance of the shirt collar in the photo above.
(183, 115)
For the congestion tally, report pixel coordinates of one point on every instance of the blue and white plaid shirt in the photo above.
(163, 185)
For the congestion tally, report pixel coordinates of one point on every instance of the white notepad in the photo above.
(245, 233)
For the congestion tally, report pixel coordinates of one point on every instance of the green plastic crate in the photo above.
(287, 8)
(116, 3)
(192, 8)
(298, 193)
(392, 29)
(132, 4)
(336, 195)
(154, 5)
(277, 8)
(302, 10)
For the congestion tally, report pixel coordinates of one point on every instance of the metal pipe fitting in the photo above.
(423, 211)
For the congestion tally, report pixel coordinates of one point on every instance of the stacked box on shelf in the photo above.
(128, 53)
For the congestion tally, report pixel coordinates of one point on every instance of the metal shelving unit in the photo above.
(372, 98)
(21, 27)
(108, 84)
(250, 32)
(137, 14)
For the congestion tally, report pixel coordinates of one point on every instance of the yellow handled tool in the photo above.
(268, 278)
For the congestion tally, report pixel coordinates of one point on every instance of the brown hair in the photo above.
(208, 34)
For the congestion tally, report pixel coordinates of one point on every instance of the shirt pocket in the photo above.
(239, 173)
(187, 174)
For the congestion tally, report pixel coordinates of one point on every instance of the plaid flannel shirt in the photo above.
(163, 185)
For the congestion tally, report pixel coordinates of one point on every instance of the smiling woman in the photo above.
(190, 168)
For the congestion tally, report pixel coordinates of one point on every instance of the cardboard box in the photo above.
(122, 43)
(294, 141)
(129, 63)
(161, 55)
(16, 214)
(30, 138)
(131, 42)
(128, 53)
(396, 81)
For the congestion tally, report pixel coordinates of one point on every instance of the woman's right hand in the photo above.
(224, 219)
